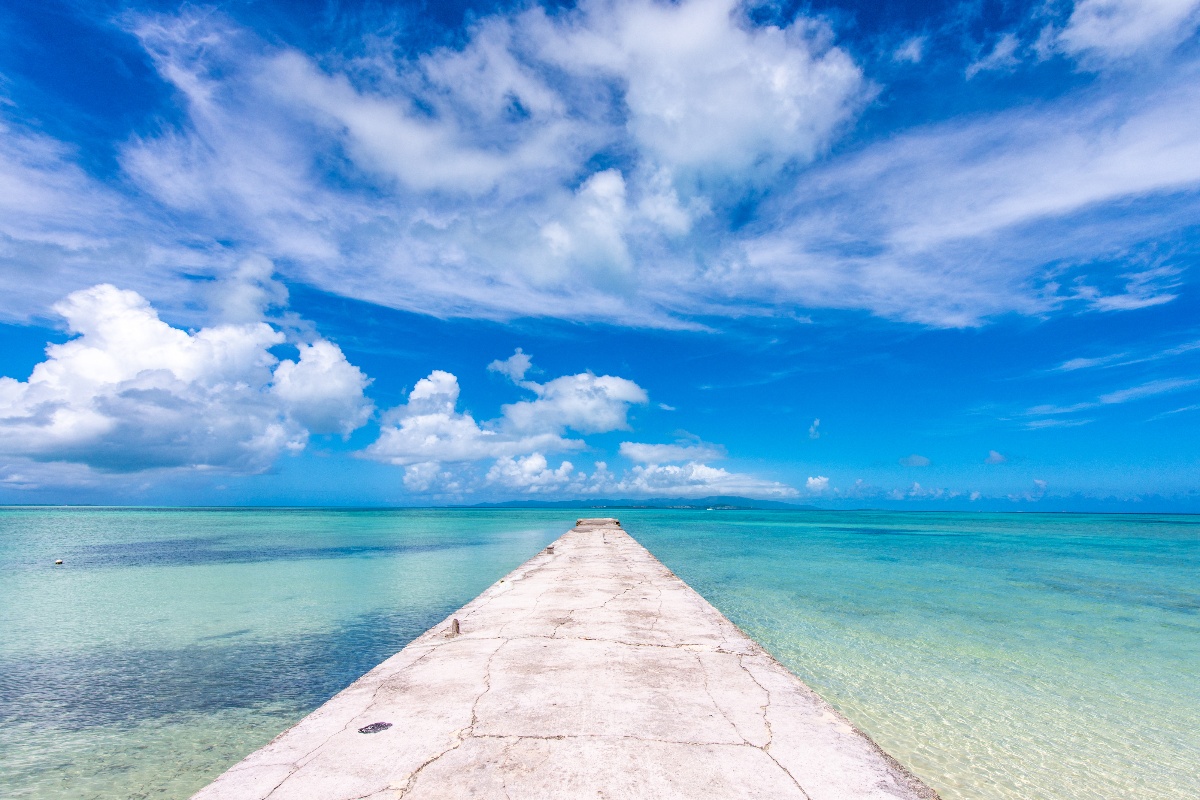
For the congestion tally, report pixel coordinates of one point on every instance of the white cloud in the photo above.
(1107, 30)
(429, 428)
(514, 367)
(455, 181)
(911, 52)
(914, 461)
(323, 391)
(586, 403)
(696, 480)
(249, 292)
(1023, 210)
(1032, 495)
(1147, 390)
(1125, 359)
(814, 430)
(441, 447)
(588, 237)
(817, 485)
(1073, 364)
(464, 180)
(994, 457)
(921, 492)
(531, 474)
(1118, 397)
(1002, 56)
(707, 92)
(669, 453)
(1038, 424)
(58, 223)
(130, 392)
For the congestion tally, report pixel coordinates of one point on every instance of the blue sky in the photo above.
(903, 255)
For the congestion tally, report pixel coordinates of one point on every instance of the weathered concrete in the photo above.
(589, 671)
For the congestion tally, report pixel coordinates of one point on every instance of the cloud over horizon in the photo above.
(132, 393)
(440, 447)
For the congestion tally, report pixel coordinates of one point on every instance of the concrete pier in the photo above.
(590, 671)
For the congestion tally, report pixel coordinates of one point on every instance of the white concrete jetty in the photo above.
(590, 671)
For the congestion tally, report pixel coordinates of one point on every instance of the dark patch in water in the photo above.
(227, 550)
(230, 635)
(128, 686)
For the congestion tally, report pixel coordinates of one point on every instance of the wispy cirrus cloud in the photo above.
(1016, 211)
(636, 161)
(1125, 359)
(1148, 389)
(1103, 31)
(1051, 415)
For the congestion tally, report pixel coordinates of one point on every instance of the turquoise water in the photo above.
(999, 656)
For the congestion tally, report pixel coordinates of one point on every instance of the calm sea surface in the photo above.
(999, 656)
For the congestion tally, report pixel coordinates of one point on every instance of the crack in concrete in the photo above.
(716, 705)
(463, 734)
(766, 708)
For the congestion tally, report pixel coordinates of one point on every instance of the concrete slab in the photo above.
(589, 671)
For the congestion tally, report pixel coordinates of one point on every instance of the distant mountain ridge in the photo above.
(717, 502)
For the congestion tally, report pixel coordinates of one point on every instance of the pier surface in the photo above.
(589, 671)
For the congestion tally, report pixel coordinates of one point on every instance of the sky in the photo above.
(909, 255)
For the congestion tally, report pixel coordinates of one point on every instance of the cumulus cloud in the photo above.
(429, 430)
(131, 392)
(707, 92)
(531, 474)
(322, 390)
(670, 453)
(914, 461)
(697, 480)
(441, 447)
(514, 367)
(585, 402)
(814, 430)
(817, 484)
(534, 475)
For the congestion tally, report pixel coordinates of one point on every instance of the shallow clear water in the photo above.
(999, 656)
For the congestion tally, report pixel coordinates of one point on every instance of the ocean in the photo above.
(999, 656)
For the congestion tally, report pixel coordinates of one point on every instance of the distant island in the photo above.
(715, 503)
